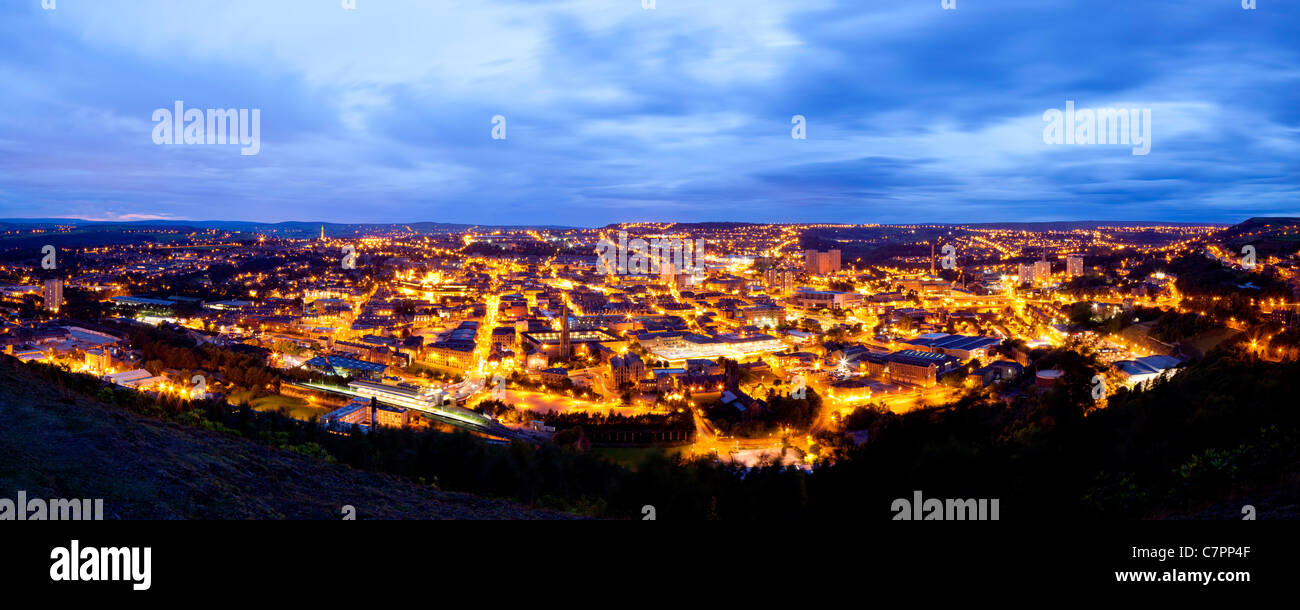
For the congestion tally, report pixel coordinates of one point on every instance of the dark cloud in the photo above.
(682, 113)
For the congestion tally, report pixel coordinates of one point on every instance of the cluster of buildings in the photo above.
(97, 351)
(412, 320)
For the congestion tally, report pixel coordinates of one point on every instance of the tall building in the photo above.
(53, 294)
(821, 263)
(565, 350)
(781, 280)
(1036, 273)
(668, 271)
(1074, 266)
(1026, 273)
(1042, 271)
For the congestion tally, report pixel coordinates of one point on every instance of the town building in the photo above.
(821, 263)
(1074, 266)
(809, 298)
(53, 294)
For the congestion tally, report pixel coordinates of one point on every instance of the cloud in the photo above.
(111, 217)
(383, 113)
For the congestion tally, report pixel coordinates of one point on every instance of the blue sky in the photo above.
(914, 113)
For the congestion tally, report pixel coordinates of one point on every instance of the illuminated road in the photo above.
(483, 340)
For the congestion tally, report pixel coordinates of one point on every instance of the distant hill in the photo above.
(1084, 224)
(88, 235)
(309, 228)
(690, 225)
(1270, 235)
(1267, 221)
(294, 227)
(56, 444)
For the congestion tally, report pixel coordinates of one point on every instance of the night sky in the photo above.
(683, 113)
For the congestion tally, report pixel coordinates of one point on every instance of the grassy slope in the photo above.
(55, 444)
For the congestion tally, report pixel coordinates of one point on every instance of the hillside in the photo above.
(55, 444)
(1269, 235)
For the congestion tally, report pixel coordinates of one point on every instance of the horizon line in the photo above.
(57, 219)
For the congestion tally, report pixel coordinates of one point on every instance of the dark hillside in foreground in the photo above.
(56, 444)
